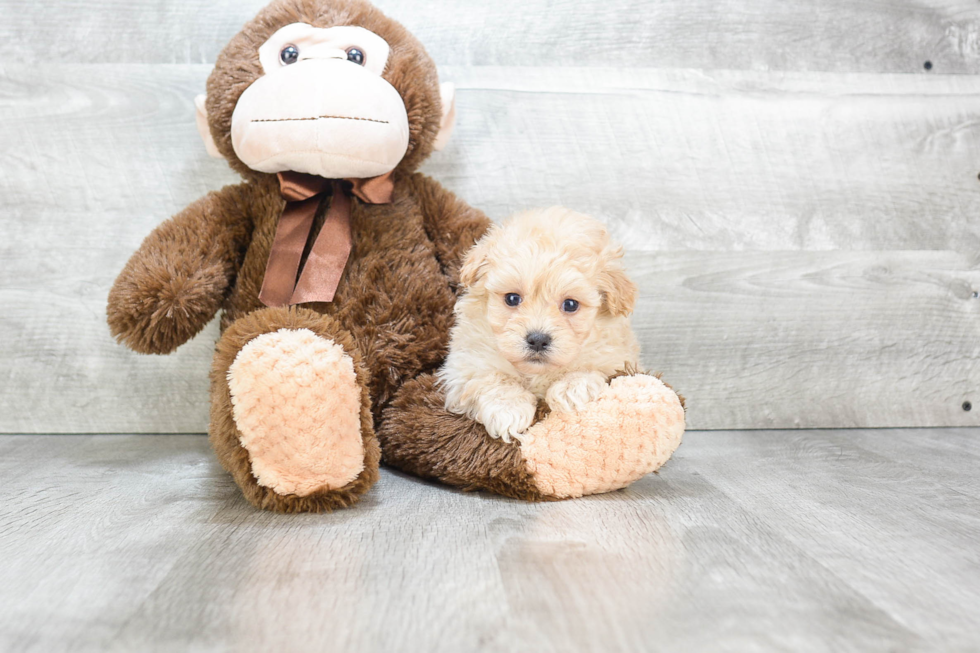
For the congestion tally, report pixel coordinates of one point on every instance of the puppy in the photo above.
(545, 316)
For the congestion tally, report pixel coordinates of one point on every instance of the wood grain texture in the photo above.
(760, 541)
(671, 159)
(764, 340)
(813, 339)
(726, 160)
(816, 35)
(841, 512)
(757, 166)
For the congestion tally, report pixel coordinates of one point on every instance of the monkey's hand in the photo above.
(176, 281)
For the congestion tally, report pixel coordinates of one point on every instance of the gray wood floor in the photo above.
(747, 541)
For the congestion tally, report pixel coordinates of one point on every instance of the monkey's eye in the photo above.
(355, 55)
(569, 306)
(289, 54)
(512, 299)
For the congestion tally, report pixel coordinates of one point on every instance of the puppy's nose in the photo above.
(538, 341)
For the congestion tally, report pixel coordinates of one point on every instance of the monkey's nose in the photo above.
(538, 341)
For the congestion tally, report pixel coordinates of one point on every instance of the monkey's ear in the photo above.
(203, 129)
(448, 93)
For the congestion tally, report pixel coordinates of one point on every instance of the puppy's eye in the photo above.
(512, 299)
(289, 54)
(569, 306)
(355, 55)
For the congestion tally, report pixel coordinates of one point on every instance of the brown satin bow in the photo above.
(325, 264)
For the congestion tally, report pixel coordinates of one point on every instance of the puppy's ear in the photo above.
(618, 291)
(477, 261)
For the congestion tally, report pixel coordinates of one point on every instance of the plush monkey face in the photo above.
(322, 106)
(330, 88)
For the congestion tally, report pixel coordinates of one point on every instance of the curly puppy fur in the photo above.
(545, 316)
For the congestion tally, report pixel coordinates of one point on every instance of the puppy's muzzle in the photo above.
(538, 342)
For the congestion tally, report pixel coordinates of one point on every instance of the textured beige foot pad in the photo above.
(297, 405)
(628, 432)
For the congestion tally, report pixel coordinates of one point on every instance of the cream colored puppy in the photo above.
(545, 316)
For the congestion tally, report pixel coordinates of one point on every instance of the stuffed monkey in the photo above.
(336, 268)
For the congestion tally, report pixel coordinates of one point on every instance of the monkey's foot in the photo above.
(630, 430)
(297, 405)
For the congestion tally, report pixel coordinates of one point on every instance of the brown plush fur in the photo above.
(174, 283)
(393, 308)
(421, 437)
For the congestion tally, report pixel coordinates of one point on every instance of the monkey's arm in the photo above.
(451, 224)
(176, 281)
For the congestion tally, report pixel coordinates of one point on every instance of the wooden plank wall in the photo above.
(799, 193)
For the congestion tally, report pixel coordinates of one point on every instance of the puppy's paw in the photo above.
(574, 390)
(509, 420)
